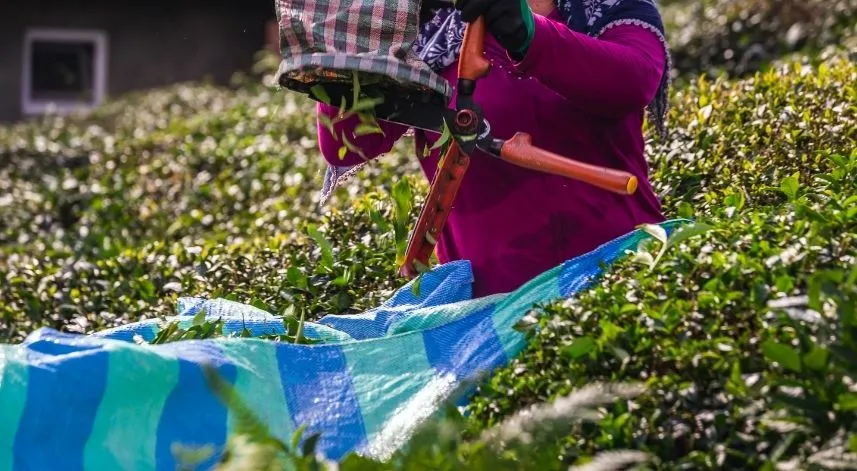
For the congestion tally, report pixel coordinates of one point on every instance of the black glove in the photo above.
(509, 21)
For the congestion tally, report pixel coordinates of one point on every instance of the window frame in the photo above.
(98, 39)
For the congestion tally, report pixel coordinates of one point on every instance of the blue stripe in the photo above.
(193, 416)
(315, 380)
(466, 347)
(147, 330)
(66, 380)
(445, 284)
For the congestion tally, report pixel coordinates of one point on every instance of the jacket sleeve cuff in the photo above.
(541, 40)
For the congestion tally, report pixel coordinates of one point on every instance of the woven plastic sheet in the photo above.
(327, 41)
(104, 402)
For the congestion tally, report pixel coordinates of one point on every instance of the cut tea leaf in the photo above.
(320, 93)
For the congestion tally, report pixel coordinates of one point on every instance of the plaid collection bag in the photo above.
(326, 41)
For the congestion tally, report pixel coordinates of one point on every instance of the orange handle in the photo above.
(520, 150)
(472, 64)
(435, 211)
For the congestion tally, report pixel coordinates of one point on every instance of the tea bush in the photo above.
(190, 189)
(739, 37)
(743, 336)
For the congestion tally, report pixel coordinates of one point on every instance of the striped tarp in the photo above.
(325, 41)
(103, 402)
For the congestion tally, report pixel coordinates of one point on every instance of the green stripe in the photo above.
(124, 434)
(508, 312)
(258, 384)
(13, 398)
(386, 373)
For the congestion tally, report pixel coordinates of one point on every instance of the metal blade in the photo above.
(418, 116)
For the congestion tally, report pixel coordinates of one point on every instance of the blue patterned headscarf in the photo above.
(440, 39)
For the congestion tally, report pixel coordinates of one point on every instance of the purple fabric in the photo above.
(576, 95)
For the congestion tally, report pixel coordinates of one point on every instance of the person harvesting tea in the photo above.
(578, 76)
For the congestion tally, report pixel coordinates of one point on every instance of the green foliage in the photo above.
(741, 326)
(734, 329)
(403, 198)
(187, 190)
(740, 37)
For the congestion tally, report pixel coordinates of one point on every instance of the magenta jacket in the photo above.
(577, 96)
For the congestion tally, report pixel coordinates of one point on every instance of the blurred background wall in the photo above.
(82, 51)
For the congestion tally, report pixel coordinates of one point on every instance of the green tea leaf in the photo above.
(403, 200)
(847, 402)
(367, 104)
(300, 330)
(685, 210)
(309, 445)
(736, 384)
(327, 123)
(735, 200)
(445, 136)
(323, 244)
(320, 94)
(343, 108)
(790, 186)
(367, 129)
(852, 443)
(620, 353)
(688, 231)
(786, 356)
(415, 288)
(199, 318)
(817, 358)
(355, 87)
(296, 278)
(297, 436)
(579, 347)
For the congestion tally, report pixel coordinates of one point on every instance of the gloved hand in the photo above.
(509, 21)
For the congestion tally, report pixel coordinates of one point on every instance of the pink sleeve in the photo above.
(372, 145)
(610, 76)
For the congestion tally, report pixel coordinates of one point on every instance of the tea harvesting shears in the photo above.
(470, 131)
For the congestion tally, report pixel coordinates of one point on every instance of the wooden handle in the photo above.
(472, 64)
(520, 150)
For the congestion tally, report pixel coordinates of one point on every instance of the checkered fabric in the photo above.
(325, 41)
